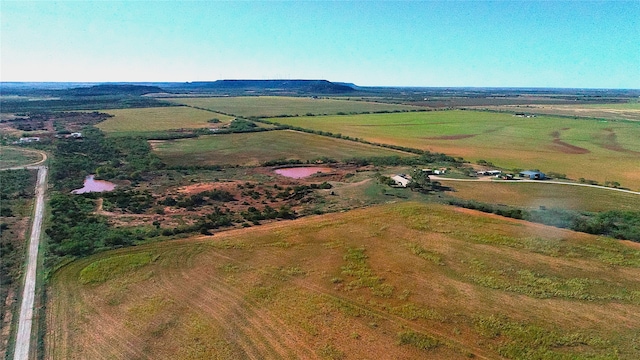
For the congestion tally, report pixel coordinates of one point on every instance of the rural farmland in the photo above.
(580, 148)
(322, 180)
(133, 121)
(354, 285)
(257, 148)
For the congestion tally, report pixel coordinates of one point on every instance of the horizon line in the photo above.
(342, 82)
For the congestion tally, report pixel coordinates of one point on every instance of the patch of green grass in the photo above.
(260, 147)
(262, 106)
(329, 351)
(263, 294)
(418, 340)
(539, 285)
(104, 269)
(132, 121)
(419, 251)
(358, 268)
(529, 341)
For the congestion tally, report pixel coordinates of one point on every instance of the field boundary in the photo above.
(536, 182)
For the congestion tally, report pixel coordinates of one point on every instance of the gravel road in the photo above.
(23, 339)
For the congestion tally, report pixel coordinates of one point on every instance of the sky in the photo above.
(564, 44)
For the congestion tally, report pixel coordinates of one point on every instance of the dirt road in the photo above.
(35, 165)
(23, 339)
(491, 179)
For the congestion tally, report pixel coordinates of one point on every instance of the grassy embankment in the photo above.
(398, 281)
(257, 148)
(580, 148)
(268, 106)
(11, 157)
(139, 121)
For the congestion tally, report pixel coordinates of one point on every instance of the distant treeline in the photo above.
(421, 152)
(81, 103)
(615, 223)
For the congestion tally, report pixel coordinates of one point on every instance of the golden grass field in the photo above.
(587, 148)
(262, 106)
(256, 148)
(131, 121)
(400, 281)
(531, 195)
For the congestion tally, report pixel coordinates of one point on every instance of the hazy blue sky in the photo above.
(413, 43)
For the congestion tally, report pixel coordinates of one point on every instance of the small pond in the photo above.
(301, 172)
(92, 185)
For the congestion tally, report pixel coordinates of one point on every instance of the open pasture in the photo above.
(400, 281)
(132, 121)
(259, 147)
(531, 195)
(267, 106)
(592, 149)
(628, 111)
(11, 157)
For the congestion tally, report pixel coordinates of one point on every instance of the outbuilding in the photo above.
(401, 180)
(533, 175)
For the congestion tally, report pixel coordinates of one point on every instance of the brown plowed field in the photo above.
(400, 281)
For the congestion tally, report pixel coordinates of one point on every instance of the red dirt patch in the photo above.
(610, 142)
(565, 147)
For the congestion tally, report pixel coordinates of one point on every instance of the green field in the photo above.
(262, 106)
(259, 147)
(400, 281)
(10, 157)
(132, 121)
(591, 149)
(531, 195)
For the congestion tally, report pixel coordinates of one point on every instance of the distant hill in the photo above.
(270, 86)
(112, 89)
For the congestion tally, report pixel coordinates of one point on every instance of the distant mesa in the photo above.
(275, 86)
(113, 89)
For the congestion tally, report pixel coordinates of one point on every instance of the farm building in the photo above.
(26, 140)
(533, 175)
(401, 180)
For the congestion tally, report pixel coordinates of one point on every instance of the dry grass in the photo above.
(399, 281)
(131, 121)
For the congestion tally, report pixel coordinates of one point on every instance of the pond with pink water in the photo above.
(301, 172)
(92, 185)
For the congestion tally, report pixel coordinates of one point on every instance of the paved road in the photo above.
(491, 179)
(23, 339)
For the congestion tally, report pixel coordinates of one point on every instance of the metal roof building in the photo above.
(533, 175)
